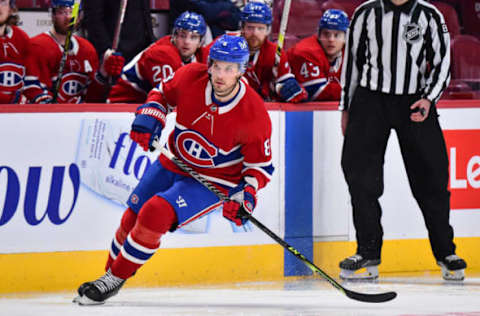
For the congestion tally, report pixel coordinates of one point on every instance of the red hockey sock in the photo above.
(154, 219)
(126, 224)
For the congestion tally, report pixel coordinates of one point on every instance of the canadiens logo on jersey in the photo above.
(196, 149)
(11, 76)
(73, 85)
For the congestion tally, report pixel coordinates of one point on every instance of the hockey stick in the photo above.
(282, 31)
(118, 27)
(66, 48)
(116, 40)
(363, 297)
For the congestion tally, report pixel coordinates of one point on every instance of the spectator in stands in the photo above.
(81, 78)
(220, 15)
(16, 45)
(160, 60)
(270, 77)
(316, 61)
(100, 21)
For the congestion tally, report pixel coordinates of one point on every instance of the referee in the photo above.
(397, 64)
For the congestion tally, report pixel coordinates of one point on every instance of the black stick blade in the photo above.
(371, 298)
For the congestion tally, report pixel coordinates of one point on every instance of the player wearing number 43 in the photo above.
(161, 59)
(316, 61)
(82, 79)
(222, 131)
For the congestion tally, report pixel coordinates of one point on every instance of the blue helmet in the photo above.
(256, 12)
(191, 21)
(229, 48)
(334, 19)
(61, 3)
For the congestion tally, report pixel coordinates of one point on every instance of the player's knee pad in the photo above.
(155, 218)
(127, 222)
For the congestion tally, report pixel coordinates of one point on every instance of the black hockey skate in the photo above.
(453, 268)
(96, 292)
(351, 265)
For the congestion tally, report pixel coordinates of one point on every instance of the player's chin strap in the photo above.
(363, 297)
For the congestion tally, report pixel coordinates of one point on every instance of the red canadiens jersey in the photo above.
(223, 142)
(79, 80)
(16, 45)
(314, 72)
(147, 69)
(262, 74)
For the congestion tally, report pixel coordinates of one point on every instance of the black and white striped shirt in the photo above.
(396, 50)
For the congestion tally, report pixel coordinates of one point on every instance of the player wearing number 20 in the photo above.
(222, 131)
(317, 60)
(161, 59)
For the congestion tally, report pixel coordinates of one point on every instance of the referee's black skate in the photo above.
(96, 292)
(453, 268)
(350, 268)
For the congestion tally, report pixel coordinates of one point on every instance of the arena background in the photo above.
(65, 171)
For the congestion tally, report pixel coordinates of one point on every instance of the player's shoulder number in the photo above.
(162, 72)
(308, 70)
(267, 147)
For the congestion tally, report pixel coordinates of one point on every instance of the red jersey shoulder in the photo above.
(43, 39)
(43, 46)
(15, 45)
(174, 86)
(191, 72)
(19, 32)
(163, 54)
(202, 54)
(38, 40)
(85, 44)
(308, 48)
(253, 99)
(251, 113)
(20, 37)
(165, 47)
(163, 41)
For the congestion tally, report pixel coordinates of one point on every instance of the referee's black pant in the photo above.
(372, 115)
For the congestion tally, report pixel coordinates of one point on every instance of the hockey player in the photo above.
(160, 60)
(16, 45)
(316, 61)
(81, 80)
(270, 81)
(222, 131)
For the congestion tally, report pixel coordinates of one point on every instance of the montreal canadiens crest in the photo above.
(412, 33)
(11, 76)
(196, 149)
(73, 84)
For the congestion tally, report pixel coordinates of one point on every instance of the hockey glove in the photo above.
(43, 99)
(291, 91)
(242, 199)
(148, 124)
(113, 63)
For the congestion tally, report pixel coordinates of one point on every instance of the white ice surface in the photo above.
(312, 297)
